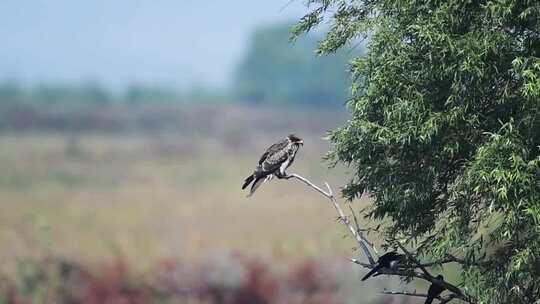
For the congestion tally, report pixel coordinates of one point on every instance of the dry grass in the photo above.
(146, 197)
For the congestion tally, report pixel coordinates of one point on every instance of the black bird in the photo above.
(388, 260)
(275, 160)
(435, 289)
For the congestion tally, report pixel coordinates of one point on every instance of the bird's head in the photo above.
(295, 139)
(439, 277)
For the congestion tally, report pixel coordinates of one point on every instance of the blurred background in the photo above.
(126, 129)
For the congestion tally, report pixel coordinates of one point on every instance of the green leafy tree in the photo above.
(89, 93)
(445, 131)
(137, 94)
(276, 71)
(11, 93)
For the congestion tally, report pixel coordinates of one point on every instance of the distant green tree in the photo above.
(92, 92)
(137, 94)
(11, 93)
(445, 131)
(88, 93)
(276, 71)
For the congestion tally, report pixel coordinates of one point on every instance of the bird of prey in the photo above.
(388, 260)
(435, 289)
(275, 160)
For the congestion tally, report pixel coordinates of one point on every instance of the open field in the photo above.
(138, 204)
(148, 196)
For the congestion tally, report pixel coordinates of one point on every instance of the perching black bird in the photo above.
(275, 160)
(388, 260)
(434, 290)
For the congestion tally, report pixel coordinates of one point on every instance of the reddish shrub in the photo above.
(227, 280)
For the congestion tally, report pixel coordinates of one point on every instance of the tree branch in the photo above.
(429, 277)
(356, 233)
(359, 230)
(365, 265)
(366, 245)
(405, 293)
(420, 295)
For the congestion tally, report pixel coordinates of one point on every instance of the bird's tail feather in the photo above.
(247, 181)
(429, 300)
(258, 181)
(370, 273)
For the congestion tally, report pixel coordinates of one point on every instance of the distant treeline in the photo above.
(273, 71)
(92, 106)
(93, 93)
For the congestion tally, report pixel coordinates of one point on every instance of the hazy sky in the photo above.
(170, 42)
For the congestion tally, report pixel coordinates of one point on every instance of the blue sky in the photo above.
(167, 42)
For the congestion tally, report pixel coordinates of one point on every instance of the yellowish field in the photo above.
(145, 197)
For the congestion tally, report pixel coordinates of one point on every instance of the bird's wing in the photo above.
(275, 158)
(280, 145)
(388, 256)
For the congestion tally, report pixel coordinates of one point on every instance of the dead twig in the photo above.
(420, 295)
(405, 293)
(357, 234)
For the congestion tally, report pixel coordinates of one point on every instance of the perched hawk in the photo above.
(277, 158)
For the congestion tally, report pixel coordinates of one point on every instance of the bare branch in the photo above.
(420, 295)
(405, 293)
(357, 234)
(364, 243)
(365, 265)
(359, 230)
(328, 194)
